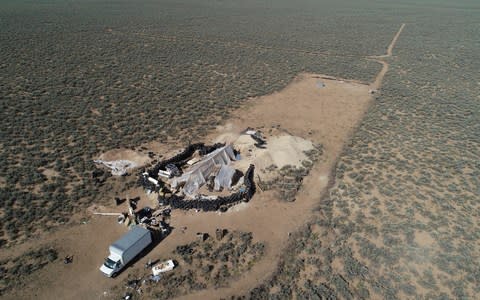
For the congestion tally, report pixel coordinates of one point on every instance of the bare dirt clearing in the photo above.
(323, 113)
(283, 150)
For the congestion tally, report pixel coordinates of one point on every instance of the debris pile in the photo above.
(216, 203)
(178, 180)
(117, 167)
(200, 172)
(181, 159)
(259, 140)
(152, 219)
(163, 267)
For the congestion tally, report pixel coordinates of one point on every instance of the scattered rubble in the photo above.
(198, 177)
(117, 167)
(152, 219)
(178, 180)
(198, 174)
(198, 265)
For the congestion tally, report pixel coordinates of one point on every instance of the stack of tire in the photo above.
(221, 203)
(259, 141)
(181, 159)
(250, 188)
(143, 181)
(208, 149)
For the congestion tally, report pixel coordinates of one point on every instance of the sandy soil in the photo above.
(50, 173)
(281, 150)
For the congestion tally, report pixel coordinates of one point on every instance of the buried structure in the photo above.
(214, 178)
(215, 164)
(179, 181)
(218, 176)
(198, 177)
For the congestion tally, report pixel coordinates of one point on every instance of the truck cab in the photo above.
(111, 266)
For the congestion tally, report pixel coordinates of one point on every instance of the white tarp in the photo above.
(199, 173)
(224, 178)
(117, 167)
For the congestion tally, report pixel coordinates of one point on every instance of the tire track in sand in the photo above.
(380, 59)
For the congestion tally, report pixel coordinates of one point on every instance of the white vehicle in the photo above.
(163, 267)
(125, 249)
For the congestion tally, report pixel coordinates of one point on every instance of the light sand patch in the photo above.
(96, 112)
(50, 173)
(233, 137)
(286, 150)
(237, 208)
(279, 151)
(424, 239)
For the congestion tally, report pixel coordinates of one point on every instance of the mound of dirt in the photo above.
(279, 151)
(286, 150)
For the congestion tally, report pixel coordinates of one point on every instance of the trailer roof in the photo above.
(130, 238)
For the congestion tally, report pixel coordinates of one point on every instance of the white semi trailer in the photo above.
(125, 249)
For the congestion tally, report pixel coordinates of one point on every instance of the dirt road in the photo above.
(377, 84)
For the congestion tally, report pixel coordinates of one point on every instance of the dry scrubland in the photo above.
(80, 78)
(203, 264)
(401, 219)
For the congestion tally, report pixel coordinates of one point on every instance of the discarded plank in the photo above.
(107, 214)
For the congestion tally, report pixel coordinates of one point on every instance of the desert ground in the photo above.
(385, 92)
(339, 105)
(322, 109)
